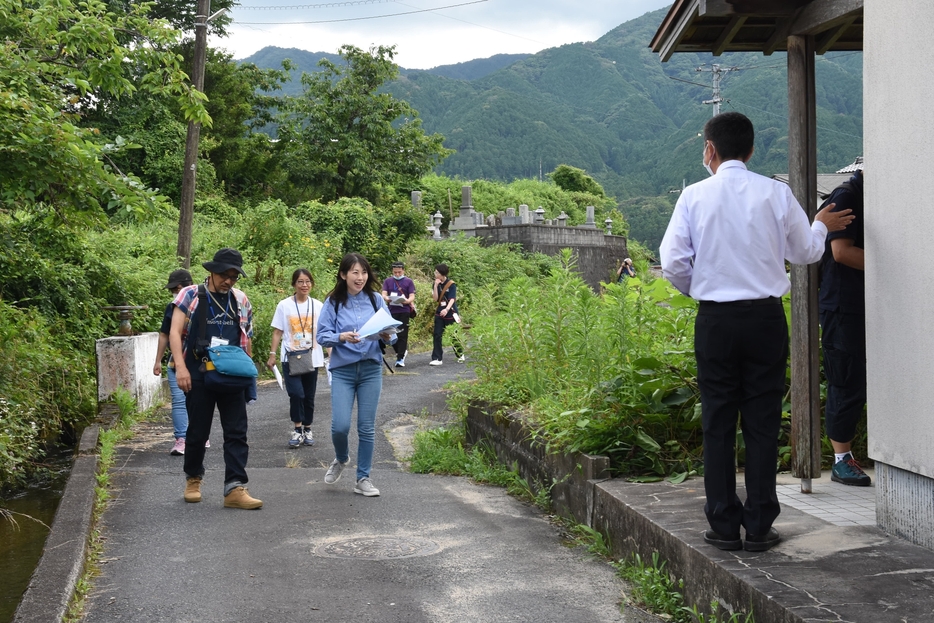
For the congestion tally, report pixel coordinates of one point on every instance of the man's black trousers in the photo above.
(742, 357)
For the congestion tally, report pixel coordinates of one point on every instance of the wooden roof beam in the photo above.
(826, 39)
(680, 30)
(821, 15)
(779, 37)
(720, 45)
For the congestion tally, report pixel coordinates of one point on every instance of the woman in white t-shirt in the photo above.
(295, 325)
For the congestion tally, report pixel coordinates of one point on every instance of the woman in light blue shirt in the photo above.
(355, 364)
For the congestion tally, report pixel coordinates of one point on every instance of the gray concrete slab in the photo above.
(430, 548)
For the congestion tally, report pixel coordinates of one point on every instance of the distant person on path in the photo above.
(294, 325)
(178, 279)
(843, 337)
(625, 270)
(228, 319)
(402, 289)
(726, 247)
(444, 292)
(356, 367)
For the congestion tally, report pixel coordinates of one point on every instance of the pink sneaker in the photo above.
(207, 444)
(179, 448)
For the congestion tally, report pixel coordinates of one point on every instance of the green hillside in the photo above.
(612, 108)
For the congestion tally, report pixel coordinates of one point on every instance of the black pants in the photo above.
(402, 337)
(742, 357)
(843, 340)
(232, 409)
(440, 325)
(301, 390)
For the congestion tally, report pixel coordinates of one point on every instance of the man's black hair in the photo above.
(731, 134)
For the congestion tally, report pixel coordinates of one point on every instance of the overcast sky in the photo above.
(424, 37)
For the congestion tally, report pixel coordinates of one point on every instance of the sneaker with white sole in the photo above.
(179, 448)
(462, 359)
(207, 444)
(365, 487)
(400, 363)
(334, 472)
(307, 438)
(434, 362)
(296, 439)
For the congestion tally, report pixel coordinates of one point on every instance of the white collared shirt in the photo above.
(730, 234)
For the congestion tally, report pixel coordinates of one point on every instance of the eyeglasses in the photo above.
(228, 277)
(303, 283)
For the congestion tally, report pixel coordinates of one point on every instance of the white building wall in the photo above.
(898, 122)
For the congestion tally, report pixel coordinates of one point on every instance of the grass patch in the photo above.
(443, 451)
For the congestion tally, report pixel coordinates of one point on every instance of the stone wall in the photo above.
(598, 255)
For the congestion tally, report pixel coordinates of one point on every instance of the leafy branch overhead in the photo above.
(343, 137)
(58, 61)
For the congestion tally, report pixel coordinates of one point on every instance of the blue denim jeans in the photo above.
(362, 381)
(232, 410)
(179, 410)
(301, 391)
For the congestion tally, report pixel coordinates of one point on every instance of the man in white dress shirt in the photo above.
(726, 247)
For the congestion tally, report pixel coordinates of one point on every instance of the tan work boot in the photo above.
(240, 498)
(193, 489)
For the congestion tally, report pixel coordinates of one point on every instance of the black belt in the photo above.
(772, 300)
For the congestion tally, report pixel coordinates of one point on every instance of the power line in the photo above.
(329, 5)
(357, 19)
(502, 32)
(785, 117)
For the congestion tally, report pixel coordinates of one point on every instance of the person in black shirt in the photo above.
(843, 338)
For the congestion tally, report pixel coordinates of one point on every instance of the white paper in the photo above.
(278, 376)
(395, 298)
(380, 322)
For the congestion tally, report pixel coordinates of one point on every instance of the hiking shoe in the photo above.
(434, 362)
(848, 472)
(296, 439)
(307, 438)
(334, 472)
(179, 448)
(240, 498)
(723, 542)
(365, 487)
(762, 543)
(462, 359)
(193, 489)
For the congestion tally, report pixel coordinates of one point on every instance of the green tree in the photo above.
(345, 138)
(576, 180)
(58, 59)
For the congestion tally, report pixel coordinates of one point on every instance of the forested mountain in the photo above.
(612, 108)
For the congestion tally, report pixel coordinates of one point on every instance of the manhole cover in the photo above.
(378, 548)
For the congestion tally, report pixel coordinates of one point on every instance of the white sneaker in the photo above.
(462, 359)
(365, 487)
(434, 362)
(334, 472)
(400, 363)
(295, 440)
(307, 438)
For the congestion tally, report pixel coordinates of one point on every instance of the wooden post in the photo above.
(187, 204)
(802, 176)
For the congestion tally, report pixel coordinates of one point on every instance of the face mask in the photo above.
(705, 162)
(399, 278)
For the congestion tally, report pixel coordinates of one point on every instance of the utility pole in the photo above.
(187, 206)
(718, 73)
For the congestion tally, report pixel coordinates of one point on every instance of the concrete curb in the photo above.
(53, 582)
(819, 572)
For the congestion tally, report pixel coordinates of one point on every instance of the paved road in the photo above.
(430, 548)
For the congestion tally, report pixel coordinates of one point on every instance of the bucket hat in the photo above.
(224, 260)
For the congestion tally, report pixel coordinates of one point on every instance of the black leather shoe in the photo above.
(722, 542)
(762, 543)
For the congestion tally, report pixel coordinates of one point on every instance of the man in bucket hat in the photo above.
(227, 317)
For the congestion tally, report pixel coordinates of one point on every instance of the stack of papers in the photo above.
(381, 322)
